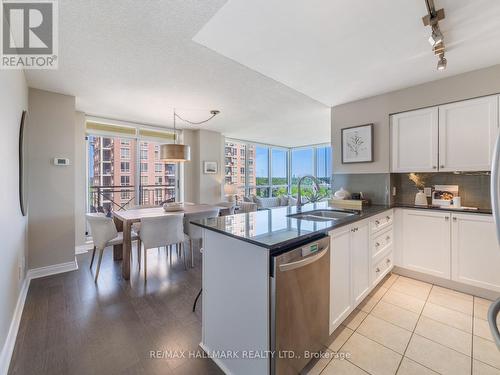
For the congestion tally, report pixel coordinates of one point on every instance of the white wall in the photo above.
(13, 100)
(377, 109)
(51, 192)
(205, 146)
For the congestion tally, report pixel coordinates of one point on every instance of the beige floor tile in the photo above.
(396, 315)
(486, 351)
(480, 368)
(318, 366)
(379, 291)
(447, 316)
(385, 333)
(354, 319)
(371, 356)
(388, 280)
(482, 329)
(481, 307)
(451, 300)
(342, 367)
(444, 334)
(369, 302)
(340, 336)
(411, 287)
(438, 357)
(409, 367)
(404, 301)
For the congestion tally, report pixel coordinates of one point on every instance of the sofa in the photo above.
(272, 202)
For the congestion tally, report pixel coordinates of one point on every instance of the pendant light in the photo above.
(179, 153)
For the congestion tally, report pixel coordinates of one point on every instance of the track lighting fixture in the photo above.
(436, 39)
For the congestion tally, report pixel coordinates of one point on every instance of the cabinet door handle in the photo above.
(441, 166)
(447, 218)
(387, 238)
(377, 222)
(377, 244)
(377, 270)
(434, 167)
(388, 217)
(454, 219)
(388, 261)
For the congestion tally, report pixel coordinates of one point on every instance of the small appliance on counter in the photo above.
(443, 195)
(341, 194)
(420, 198)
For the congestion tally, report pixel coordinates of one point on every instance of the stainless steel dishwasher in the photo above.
(300, 294)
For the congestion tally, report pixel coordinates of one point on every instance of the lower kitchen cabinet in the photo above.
(349, 270)
(426, 242)
(340, 276)
(474, 251)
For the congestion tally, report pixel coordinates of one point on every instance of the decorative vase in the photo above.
(420, 198)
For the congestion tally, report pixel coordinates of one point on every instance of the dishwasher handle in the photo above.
(303, 262)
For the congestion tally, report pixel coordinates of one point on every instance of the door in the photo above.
(475, 251)
(340, 276)
(360, 253)
(414, 141)
(426, 242)
(467, 133)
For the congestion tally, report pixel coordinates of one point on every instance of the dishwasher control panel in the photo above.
(309, 249)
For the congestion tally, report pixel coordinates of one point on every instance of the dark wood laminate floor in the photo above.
(72, 326)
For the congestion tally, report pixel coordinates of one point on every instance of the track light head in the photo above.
(436, 37)
(214, 112)
(442, 63)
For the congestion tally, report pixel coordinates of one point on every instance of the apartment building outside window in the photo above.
(125, 167)
(125, 153)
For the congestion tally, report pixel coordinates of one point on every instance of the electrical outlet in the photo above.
(428, 192)
(394, 191)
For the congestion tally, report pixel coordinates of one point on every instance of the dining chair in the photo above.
(161, 231)
(228, 208)
(104, 234)
(194, 232)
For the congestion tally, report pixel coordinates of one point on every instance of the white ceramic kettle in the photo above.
(342, 194)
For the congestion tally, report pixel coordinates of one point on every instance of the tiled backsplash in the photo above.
(474, 188)
(374, 186)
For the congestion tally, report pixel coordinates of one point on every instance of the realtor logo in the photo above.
(28, 34)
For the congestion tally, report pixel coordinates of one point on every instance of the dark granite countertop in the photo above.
(449, 209)
(275, 230)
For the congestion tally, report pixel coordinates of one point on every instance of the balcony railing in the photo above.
(117, 198)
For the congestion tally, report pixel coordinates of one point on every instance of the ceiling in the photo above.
(337, 51)
(127, 61)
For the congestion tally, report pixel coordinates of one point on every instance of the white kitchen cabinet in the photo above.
(340, 276)
(426, 242)
(414, 141)
(467, 133)
(360, 260)
(474, 251)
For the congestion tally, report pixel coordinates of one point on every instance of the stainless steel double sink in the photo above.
(323, 215)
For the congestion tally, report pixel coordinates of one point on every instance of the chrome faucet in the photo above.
(299, 193)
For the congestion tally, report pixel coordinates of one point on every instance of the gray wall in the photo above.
(80, 178)
(377, 109)
(13, 100)
(51, 193)
(205, 146)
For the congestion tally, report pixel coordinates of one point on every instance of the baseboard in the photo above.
(10, 341)
(83, 249)
(35, 273)
(216, 360)
(445, 283)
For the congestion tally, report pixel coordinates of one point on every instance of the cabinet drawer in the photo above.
(381, 241)
(382, 221)
(381, 267)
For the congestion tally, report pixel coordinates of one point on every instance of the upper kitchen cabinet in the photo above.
(414, 140)
(467, 133)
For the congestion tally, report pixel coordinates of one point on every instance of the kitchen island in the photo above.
(237, 268)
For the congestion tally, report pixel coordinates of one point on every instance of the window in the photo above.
(144, 180)
(144, 154)
(324, 168)
(158, 180)
(271, 171)
(125, 180)
(125, 142)
(125, 153)
(158, 168)
(125, 167)
(279, 173)
(144, 167)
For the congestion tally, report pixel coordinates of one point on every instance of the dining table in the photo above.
(125, 218)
